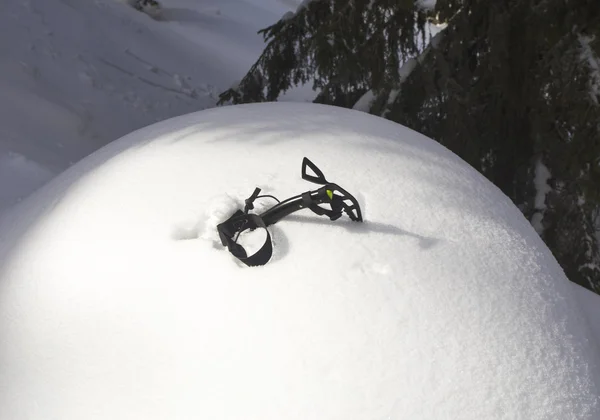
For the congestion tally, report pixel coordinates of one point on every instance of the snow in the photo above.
(365, 101)
(588, 55)
(226, 30)
(427, 4)
(437, 33)
(75, 75)
(303, 5)
(590, 303)
(288, 15)
(542, 188)
(118, 301)
(20, 174)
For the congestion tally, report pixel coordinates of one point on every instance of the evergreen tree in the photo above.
(344, 47)
(511, 86)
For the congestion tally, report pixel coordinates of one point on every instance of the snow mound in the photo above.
(118, 301)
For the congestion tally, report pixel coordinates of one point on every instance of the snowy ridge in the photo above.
(118, 301)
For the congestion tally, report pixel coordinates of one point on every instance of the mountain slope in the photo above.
(75, 75)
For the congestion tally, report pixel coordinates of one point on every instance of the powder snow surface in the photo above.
(117, 300)
(77, 74)
(590, 302)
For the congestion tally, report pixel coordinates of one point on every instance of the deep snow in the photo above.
(590, 303)
(118, 301)
(75, 75)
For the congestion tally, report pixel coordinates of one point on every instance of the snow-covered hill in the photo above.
(75, 75)
(118, 301)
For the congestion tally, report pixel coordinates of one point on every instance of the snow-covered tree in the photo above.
(513, 87)
(344, 47)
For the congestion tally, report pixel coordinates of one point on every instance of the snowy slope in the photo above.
(224, 28)
(75, 75)
(118, 301)
(590, 304)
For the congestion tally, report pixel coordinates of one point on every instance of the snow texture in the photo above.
(427, 4)
(288, 15)
(542, 187)
(75, 75)
(365, 102)
(117, 300)
(19, 174)
(304, 5)
(590, 302)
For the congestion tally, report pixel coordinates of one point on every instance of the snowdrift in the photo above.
(118, 301)
(75, 75)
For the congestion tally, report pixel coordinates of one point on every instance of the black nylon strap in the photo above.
(330, 193)
(235, 225)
